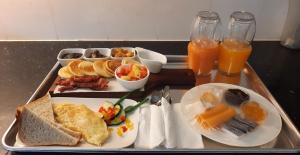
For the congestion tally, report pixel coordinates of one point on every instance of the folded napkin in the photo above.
(165, 126)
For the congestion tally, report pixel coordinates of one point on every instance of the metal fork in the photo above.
(156, 96)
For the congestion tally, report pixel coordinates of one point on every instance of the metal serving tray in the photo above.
(287, 141)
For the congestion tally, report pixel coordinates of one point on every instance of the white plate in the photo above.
(263, 134)
(113, 142)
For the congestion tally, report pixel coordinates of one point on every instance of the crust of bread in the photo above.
(37, 127)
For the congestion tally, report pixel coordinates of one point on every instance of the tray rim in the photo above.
(173, 58)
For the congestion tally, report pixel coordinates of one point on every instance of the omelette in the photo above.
(80, 118)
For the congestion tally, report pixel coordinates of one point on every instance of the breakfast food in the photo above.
(38, 116)
(71, 55)
(253, 112)
(111, 66)
(91, 82)
(95, 54)
(74, 69)
(81, 119)
(209, 97)
(235, 96)
(110, 111)
(86, 74)
(99, 67)
(125, 128)
(87, 68)
(129, 61)
(227, 111)
(104, 68)
(132, 72)
(238, 126)
(121, 52)
(115, 114)
(65, 73)
(216, 116)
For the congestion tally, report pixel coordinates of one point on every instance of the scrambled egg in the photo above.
(80, 118)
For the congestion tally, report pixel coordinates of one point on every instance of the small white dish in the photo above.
(103, 51)
(126, 48)
(65, 62)
(132, 85)
(153, 60)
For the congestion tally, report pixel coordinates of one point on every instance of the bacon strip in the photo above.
(64, 88)
(92, 82)
(86, 78)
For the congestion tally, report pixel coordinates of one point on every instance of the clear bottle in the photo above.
(203, 48)
(290, 36)
(236, 46)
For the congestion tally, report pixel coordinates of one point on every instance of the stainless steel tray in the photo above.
(287, 141)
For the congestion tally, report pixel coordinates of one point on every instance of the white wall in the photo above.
(127, 19)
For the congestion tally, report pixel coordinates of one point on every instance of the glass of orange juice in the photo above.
(236, 47)
(203, 48)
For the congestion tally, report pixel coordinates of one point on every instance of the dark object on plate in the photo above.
(71, 55)
(239, 126)
(235, 96)
(95, 54)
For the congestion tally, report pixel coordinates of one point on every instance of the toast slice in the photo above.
(37, 125)
(42, 107)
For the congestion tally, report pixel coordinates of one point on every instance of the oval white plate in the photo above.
(263, 134)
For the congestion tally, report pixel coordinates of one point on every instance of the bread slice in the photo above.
(42, 107)
(37, 125)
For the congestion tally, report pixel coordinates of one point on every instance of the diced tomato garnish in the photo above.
(124, 129)
(110, 110)
(123, 118)
(102, 110)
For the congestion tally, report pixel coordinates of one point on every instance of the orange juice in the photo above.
(201, 56)
(233, 56)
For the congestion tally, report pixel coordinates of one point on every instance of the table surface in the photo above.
(23, 65)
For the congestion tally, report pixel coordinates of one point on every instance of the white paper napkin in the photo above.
(186, 137)
(169, 124)
(165, 126)
(151, 128)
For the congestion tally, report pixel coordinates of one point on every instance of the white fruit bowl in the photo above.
(132, 85)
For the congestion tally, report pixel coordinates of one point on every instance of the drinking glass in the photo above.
(203, 48)
(236, 46)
